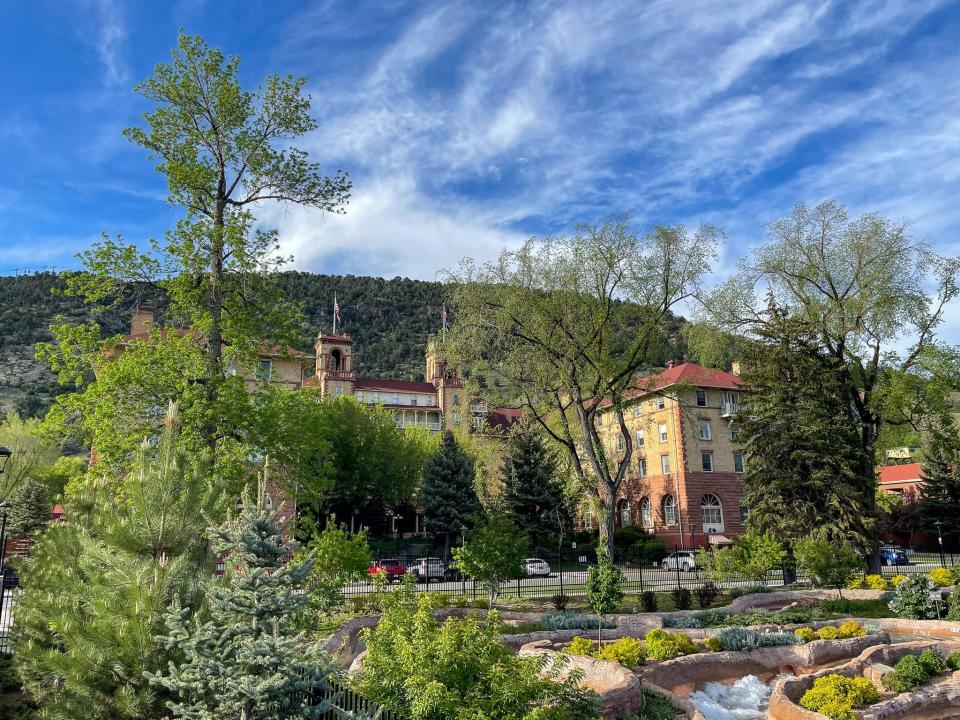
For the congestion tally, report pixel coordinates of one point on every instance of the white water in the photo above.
(746, 699)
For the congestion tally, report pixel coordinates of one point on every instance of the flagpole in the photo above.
(334, 313)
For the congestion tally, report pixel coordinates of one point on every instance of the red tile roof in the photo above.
(690, 373)
(410, 386)
(502, 418)
(901, 473)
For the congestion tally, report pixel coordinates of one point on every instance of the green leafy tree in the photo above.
(754, 555)
(30, 512)
(828, 563)
(65, 470)
(806, 469)
(533, 491)
(865, 287)
(33, 452)
(604, 589)
(494, 554)
(940, 494)
(337, 558)
(448, 494)
(241, 656)
(95, 595)
(224, 151)
(460, 670)
(565, 324)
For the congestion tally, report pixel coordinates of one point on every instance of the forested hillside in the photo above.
(389, 320)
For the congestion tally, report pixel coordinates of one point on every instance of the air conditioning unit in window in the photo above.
(712, 529)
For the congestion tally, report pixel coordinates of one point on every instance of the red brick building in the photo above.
(685, 481)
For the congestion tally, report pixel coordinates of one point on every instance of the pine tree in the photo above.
(243, 657)
(806, 469)
(30, 510)
(940, 494)
(448, 495)
(95, 596)
(533, 495)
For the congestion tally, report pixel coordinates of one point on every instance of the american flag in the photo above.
(446, 323)
(336, 312)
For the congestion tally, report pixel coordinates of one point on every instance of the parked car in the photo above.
(391, 568)
(682, 559)
(428, 569)
(893, 555)
(535, 567)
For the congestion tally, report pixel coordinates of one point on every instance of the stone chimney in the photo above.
(735, 367)
(142, 321)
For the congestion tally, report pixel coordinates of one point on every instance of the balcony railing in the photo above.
(729, 409)
(427, 424)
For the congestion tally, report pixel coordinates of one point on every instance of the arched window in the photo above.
(456, 399)
(625, 518)
(670, 516)
(335, 360)
(646, 513)
(588, 518)
(712, 512)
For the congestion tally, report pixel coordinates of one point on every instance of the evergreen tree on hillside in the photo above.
(30, 511)
(533, 494)
(940, 494)
(448, 495)
(95, 594)
(806, 467)
(243, 658)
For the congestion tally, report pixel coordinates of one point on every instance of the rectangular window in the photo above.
(701, 398)
(744, 511)
(600, 419)
(266, 369)
(639, 438)
(619, 443)
(665, 464)
(359, 395)
(662, 429)
(738, 462)
(456, 418)
(339, 391)
(394, 399)
(704, 429)
(413, 400)
(712, 516)
(642, 465)
(706, 461)
(638, 410)
(588, 519)
(661, 403)
(734, 432)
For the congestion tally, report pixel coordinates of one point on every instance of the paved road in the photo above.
(573, 581)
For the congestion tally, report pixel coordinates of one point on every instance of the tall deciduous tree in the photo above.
(224, 151)
(33, 453)
(533, 492)
(94, 597)
(448, 494)
(806, 469)
(565, 324)
(242, 657)
(940, 494)
(865, 287)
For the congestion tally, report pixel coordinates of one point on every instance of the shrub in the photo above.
(953, 660)
(571, 621)
(461, 601)
(713, 644)
(897, 579)
(941, 577)
(908, 675)
(739, 639)
(442, 600)
(580, 646)
(835, 696)
(777, 639)
(687, 622)
(912, 598)
(662, 645)
(627, 651)
(877, 582)
(931, 661)
(828, 633)
(707, 594)
(953, 611)
(481, 604)
(648, 600)
(851, 629)
(855, 583)
(559, 602)
(681, 598)
(805, 634)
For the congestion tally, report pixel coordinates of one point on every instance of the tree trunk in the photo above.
(608, 522)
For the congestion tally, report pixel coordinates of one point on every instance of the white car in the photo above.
(428, 568)
(535, 567)
(682, 559)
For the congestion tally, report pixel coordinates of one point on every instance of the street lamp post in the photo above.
(938, 523)
(463, 544)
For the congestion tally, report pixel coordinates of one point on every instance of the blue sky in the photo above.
(468, 126)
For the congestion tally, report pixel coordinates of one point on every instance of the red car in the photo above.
(391, 567)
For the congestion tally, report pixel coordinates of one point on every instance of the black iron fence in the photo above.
(568, 569)
(346, 703)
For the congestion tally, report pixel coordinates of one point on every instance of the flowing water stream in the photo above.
(745, 699)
